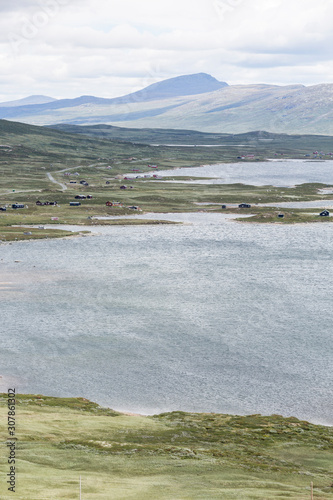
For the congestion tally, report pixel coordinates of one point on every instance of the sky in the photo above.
(108, 48)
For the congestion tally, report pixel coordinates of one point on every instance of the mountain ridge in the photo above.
(199, 83)
(195, 102)
(30, 100)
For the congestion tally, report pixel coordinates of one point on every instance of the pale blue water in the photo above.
(271, 173)
(214, 316)
(301, 204)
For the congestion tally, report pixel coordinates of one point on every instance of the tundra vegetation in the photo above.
(174, 455)
(32, 158)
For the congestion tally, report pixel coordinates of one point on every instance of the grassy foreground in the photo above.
(171, 456)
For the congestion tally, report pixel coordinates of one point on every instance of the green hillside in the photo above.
(169, 456)
(42, 164)
(262, 140)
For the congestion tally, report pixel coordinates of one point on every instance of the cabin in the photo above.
(3, 209)
(18, 205)
(244, 205)
(324, 213)
(89, 197)
(113, 204)
(123, 187)
(74, 203)
(80, 197)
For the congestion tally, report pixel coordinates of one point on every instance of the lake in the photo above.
(212, 316)
(281, 173)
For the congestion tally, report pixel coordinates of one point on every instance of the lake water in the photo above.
(213, 315)
(275, 173)
(301, 204)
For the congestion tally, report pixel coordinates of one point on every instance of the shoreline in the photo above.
(134, 413)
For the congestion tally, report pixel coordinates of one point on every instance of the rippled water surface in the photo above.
(209, 316)
(275, 173)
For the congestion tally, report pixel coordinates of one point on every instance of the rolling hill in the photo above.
(30, 100)
(172, 455)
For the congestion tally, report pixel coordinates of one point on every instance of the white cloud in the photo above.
(66, 48)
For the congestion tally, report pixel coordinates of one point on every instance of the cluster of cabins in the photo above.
(46, 203)
(14, 206)
(242, 205)
(113, 204)
(83, 182)
(324, 213)
(79, 197)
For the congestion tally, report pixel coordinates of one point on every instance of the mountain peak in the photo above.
(198, 83)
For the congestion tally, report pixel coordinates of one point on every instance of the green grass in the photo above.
(18, 233)
(169, 456)
(260, 140)
(290, 217)
(30, 152)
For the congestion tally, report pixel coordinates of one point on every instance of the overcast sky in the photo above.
(107, 48)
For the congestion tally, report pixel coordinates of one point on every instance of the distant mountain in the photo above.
(195, 102)
(33, 99)
(173, 87)
(187, 85)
